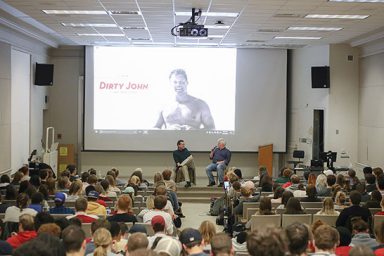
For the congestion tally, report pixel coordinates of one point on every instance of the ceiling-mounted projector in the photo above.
(193, 30)
(190, 28)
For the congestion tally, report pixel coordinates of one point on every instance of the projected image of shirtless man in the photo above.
(185, 112)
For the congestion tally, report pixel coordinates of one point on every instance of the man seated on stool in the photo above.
(184, 161)
(220, 156)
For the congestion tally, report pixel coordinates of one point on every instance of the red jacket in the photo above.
(21, 237)
(343, 250)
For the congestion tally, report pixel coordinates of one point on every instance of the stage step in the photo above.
(199, 194)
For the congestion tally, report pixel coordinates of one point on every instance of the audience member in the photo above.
(93, 206)
(326, 239)
(168, 247)
(297, 235)
(13, 213)
(239, 242)
(103, 243)
(37, 202)
(340, 200)
(375, 200)
(25, 233)
(124, 210)
(51, 229)
(277, 195)
(100, 223)
(355, 210)
(345, 240)
(328, 208)
(266, 243)
(43, 245)
(192, 242)
(74, 242)
(158, 226)
(59, 205)
(221, 245)
(322, 186)
(159, 204)
(81, 205)
(311, 195)
(293, 206)
(371, 182)
(361, 250)
(137, 241)
(284, 199)
(360, 230)
(169, 183)
(207, 230)
(75, 190)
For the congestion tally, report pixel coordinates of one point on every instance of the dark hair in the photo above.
(17, 177)
(92, 179)
(179, 71)
(265, 207)
(23, 186)
(360, 226)
(380, 182)
(376, 196)
(71, 168)
(179, 142)
(62, 223)
(297, 235)
(311, 191)
(43, 189)
(10, 192)
(104, 184)
(92, 171)
(22, 201)
(167, 174)
(345, 236)
(37, 198)
(355, 197)
(89, 188)
(340, 180)
(84, 176)
(266, 243)
(367, 170)
(43, 245)
(5, 179)
(331, 180)
(285, 197)
(115, 228)
(100, 223)
(43, 218)
(293, 206)
(73, 238)
(75, 221)
(351, 173)
(43, 173)
(139, 174)
(370, 178)
(238, 173)
(160, 202)
(278, 192)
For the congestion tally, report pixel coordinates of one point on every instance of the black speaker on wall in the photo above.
(44, 74)
(320, 77)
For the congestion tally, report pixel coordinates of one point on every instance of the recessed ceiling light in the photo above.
(358, 1)
(336, 16)
(114, 12)
(99, 25)
(97, 34)
(140, 39)
(211, 14)
(315, 28)
(74, 12)
(215, 36)
(217, 26)
(298, 37)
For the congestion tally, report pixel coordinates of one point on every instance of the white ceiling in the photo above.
(259, 21)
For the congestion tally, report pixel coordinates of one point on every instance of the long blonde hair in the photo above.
(103, 240)
(207, 230)
(328, 206)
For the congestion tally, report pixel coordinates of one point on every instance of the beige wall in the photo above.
(371, 110)
(342, 125)
(9, 40)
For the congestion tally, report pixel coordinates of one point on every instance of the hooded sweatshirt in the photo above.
(21, 237)
(96, 209)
